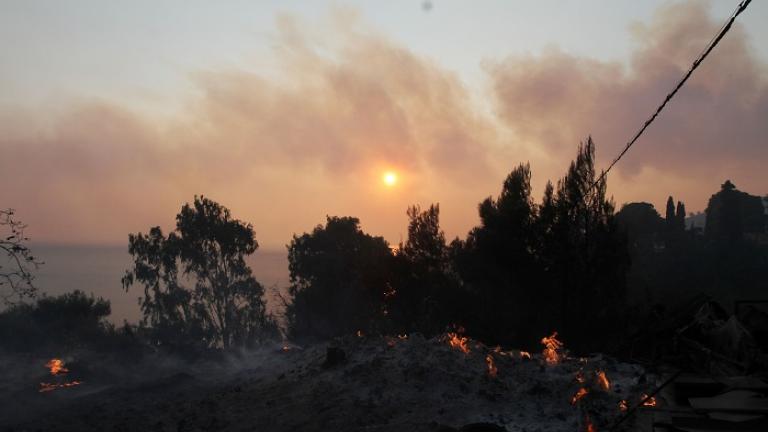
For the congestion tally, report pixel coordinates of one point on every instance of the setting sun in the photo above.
(389, 178)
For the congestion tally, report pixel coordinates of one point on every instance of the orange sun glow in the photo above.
(389, 178)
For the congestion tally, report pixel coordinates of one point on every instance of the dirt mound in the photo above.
(360, 383)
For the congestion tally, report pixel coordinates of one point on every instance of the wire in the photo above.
(709, 47)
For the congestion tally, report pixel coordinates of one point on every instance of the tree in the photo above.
(225, 305)
(496, 264)
(588, 259)
(680, 217)
(732, 213)
(339, 278)
(641, 220)
(426, 297)
(16, 270)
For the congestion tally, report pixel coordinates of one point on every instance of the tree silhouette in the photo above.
(339, 279)
(680, 217)
(588, 259)
(732, 213)
(16, 270)
(427, 297)
(496, 263)
(224, 306)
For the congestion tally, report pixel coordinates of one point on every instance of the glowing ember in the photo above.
(589, 427)
(46, 387)
(552, 348)
(648, 401)
(359, 333)
(402, 336)
(580, 376)
(525, 355)
(492, 371)
(623, 407)
(56, 366)
(286, 348)
(602, 381)
(579, 394)
(458, 342)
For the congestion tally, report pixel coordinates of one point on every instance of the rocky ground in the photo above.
(350, 384)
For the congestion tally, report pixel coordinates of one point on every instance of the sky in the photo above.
(113, 114)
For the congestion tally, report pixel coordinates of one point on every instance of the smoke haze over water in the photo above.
(98, 269)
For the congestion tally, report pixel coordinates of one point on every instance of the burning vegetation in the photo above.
(492, 370)
(57, 369)
(552, 349)
(456, 341)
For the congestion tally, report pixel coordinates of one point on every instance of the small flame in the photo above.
(602, 381)
(648, 401)
(552, 348)
(623, 407)
(56, 366)
(359, 333)
(525, 355)
(492, 370)
(589, 427)
(402, 336)
(579, 394)
(458, 342)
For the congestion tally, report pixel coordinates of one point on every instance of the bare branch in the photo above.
(16, 267)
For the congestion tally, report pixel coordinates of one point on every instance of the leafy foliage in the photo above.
(197, 286)
(339, 278)
(70, 320)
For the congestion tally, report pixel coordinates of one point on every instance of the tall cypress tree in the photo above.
(680, 217)
(669, 222)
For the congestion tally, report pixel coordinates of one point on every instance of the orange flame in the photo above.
(525, 355)
(623, 405)
(602, 381)
(579, 394)
(458, 342)
(492, 371)
(648, 401)
(552, 348)
(56, 366)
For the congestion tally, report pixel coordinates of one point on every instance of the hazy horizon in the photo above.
(97, 270)
(286, 112)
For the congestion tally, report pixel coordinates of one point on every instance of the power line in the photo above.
(710, 46)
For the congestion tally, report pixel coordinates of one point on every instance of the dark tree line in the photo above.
(527, 269)
(673, 263)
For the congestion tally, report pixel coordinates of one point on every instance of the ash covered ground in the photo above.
(359, 384)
